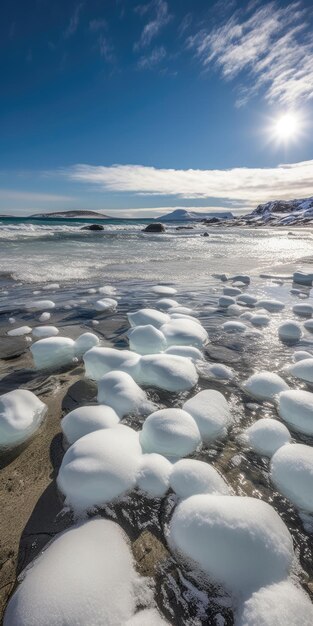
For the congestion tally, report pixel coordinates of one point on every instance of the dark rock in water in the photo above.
(206, 234)
(222, 354)
(211, 220)
(184, 228)
(93, 227)
(154, 228)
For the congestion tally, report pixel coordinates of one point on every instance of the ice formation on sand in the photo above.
(171, 432)
(241, 278)
(166, 303)
(85, 576)
(107, 290)
(166, 371)
(183, 316)
(273, 306)
(296, 408)
(211, 412)
(239, 542)
(45, 331)
(146, 339)
(231, 291)
(299, 355)
(303, 369)
(234, 309)
(247, 298)
(302, 309)
(119, 390)
(302, 278)
(21, 413)
(44, 317)
(277, 605)
(153, 475)
(266, 435)
(99, 361)
(292, 471)
(190, 352)
(164, 290)
(290, 331)
(214, 371)
(86, 419)
(234, 327)
(106, 304)
(184, 333)
(226, 301)
(40, 305)
(264, 385)
(148, 316)
(308, 325)
(190, 477)
(20, 331)
(57, 351)
(99, 467)
(260, 320)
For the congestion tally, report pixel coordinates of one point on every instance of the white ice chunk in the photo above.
(107, 290)
(302, 309)
(234, 309)
(303, 278)
(44, 317)
(190, 477)
(296, 408)
(214, 371)
(86, 419)
(85, 342)
(247, 298)
(106, 304)
(308, 325)
(182, 316)
(299, 355)
(85, 577)
(53, 352)
(20, 331)
(166, 371)
(270, 305)
(99, 467)
(291, 472)
(303, 369)
(40, 305)
(239, 542)
(99, 361)
(234, 327)
(153, 475)
(289, 331)
(12, 320)
(231, 291)
(183, 310)
(21, 413)
(184, 333)
(226, 301)
(170, 432)
(164, 290)
(146, 339)
(266, 435)
(167, 303)
(277, 605)
(189, 352)
(264, 385)
(45, 331)
(211, 412)
(260, 320)
(119, 390)
(148, 316)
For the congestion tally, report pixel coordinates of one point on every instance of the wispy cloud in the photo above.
(106, 49)
(74, 21)
(99, 24)
(152, 28)
(248, 185)
(269, 47)
(185, 24)
(149, 61)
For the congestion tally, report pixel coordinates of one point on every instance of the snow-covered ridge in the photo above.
(185, 215)
(279, 213)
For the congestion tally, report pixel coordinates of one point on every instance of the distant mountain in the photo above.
(184, 215)
(68, 214)
(279, 213)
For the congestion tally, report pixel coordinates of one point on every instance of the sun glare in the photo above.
(287, 127)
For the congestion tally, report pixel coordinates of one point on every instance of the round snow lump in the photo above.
(302, 309)
(190, 352)
(45, 331)
(190, 477)
(171, 432)
(303, 369)
(119, 390)
(183, 332)
(85, 576)
(148, 316)
(146, 339)
(270, 305)
(266, 435)
(299, 355)
(18, 332)
(99, 467)
(211, 412)
(264, 385)
(85, 342)
(164, 290)
(289, 331)
(86, 419)
(166, 303)
(226, 301)
(166, 371)
(153, 474)
(21, 413)
(260, 320)
(296, 408)
(99, 361)
(106, 304)
(53, 352)
(292, 474)
(277, 605)
(239, 542)
(40, 305)
(234, 327)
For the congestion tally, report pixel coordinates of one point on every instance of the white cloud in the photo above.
(149, 61)
(247, 185)
(153, 27)
(270, 48)
(74, 21)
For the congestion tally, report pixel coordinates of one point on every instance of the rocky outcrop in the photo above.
(278, 213)
(157, 227)
(93, 227)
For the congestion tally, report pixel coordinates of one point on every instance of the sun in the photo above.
(287, 127)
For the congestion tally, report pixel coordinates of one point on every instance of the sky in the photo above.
(134, 108)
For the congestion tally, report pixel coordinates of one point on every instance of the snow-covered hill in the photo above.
(71, 214)
(185, 215)
(279, 213)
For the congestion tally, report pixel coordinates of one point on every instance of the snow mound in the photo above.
(53, 352)
(227, 536)
(183, 316)
(247, 299)
(272, 306)
(85, 576)
(166, 371)
(303, 369)
(164, 290)
(187, 351)
(107, 290)
(21, 413)
(302, 278)
(153, 475)
(20, 331)
(190, 477)
(247, 315)
(106, 304)
(170, 432)
(231, 291)
(119, 390)
(40, 305)
(299, 355)
(100, 361)
(44, 317)
(226, 301)
(85, 342)
(241, 278)
(234, 309)
(264, 385)
(214, 371)
(99, 467)
(146, 339)
(308, 325)
(265, 436)
(296, 408)
(302, 309)
(292, 472)
(167, 303)
(211, 412)
(289, 331)
(234, 327)
(87, 419)
(277, 605)
(182, 332)
(45, 331)
(148, 316)
(260, 320)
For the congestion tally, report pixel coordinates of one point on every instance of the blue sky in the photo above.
(135, 107)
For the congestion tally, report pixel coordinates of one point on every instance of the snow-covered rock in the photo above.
(99, 361)
(302, 309)
(226, 301)
(146, 339)
(164, 290)
(182, 332)
(299, 355)
(308, 325)
(234, 309)
(44, 317)
(303, 278)
(231, 291)
(99, 467)
(166, 371)
(296, 408)
(183, 310)
(289, 331)
(183, 316)
(20, 331)
(291, 472)
(234, 327)
(260, 320)
(148, 316)
(190, 477)
(241, 278)
(85, 342)
(153, 475)
(277, 605)
(303, 369)
(53, 352)
(87, 419)
(166, 303)
(119, 390)
(45, 331)
(215, 371)
(40, 305)
(170, 432)
(273, 306)
(190, 352)
(211, 412)
(247, 299)
(21, 414)
(85, 576)
(264, 385)
(239, 542)
(265, 436)
(106, 304)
